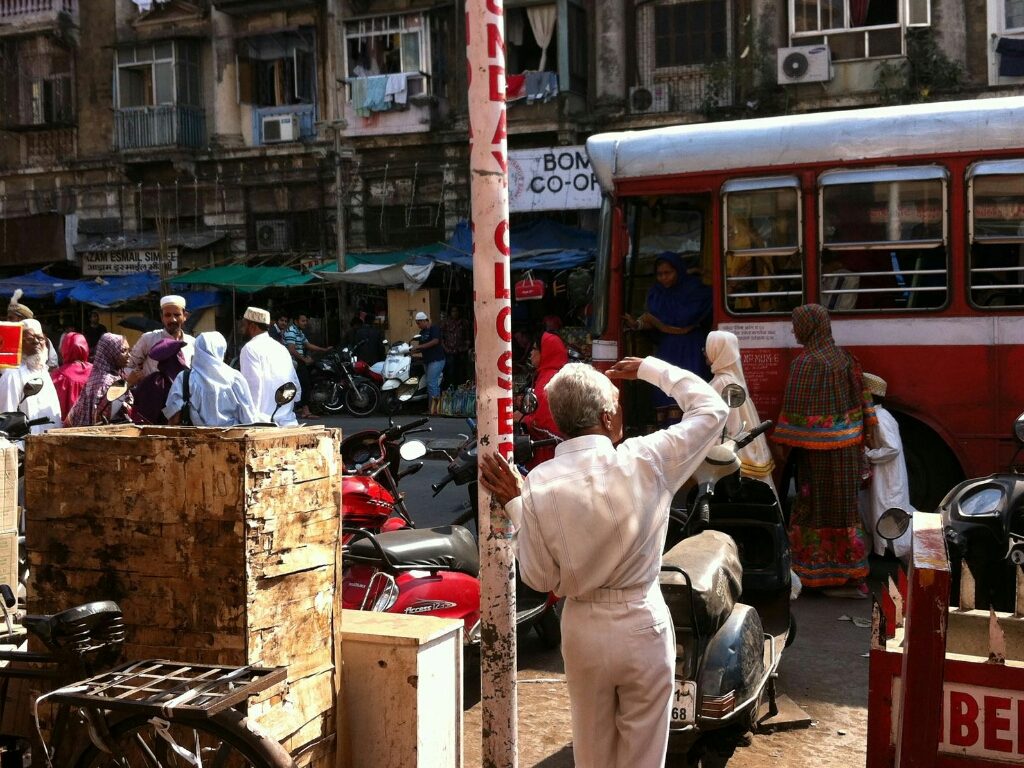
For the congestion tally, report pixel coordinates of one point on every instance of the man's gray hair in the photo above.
(577, 396)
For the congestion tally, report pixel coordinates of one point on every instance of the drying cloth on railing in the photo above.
(396, 88)
(376, 101)
(359, 96)
(541, 86)
(515, 87)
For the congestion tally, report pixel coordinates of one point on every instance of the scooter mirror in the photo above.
(412, 450)
(1018, 428)
(32, 388)
(117, 390)
(530, 403)
(285, 393)
(734, 395)
(385, 342)
(893, 523)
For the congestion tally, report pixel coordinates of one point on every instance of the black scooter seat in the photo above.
(449, 547)
(712, 562)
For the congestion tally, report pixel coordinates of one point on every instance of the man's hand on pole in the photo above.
(498, 477)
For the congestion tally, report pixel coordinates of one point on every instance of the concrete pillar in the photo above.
(223, 117)
(610, 23)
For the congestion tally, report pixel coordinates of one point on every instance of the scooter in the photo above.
(983, 524)
(340, 381)
(371, 459)
(735, 547)
(436, 571)
(400, 385)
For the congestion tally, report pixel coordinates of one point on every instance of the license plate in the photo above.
(683, 700)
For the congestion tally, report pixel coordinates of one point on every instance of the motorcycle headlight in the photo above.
(1018, 428)
(984, 502)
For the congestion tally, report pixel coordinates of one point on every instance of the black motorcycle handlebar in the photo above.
(437, 487)
(400, 429)
(753, 434)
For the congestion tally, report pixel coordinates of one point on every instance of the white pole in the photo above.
(485, 33)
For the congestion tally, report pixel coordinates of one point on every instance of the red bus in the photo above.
(906, 222)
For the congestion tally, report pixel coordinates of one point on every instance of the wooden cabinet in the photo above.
(403, 690)
(402, 309)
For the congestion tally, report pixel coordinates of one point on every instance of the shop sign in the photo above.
(551, 179)
(127, 262)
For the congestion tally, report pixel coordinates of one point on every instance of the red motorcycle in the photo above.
(372, 461)
(436, 571)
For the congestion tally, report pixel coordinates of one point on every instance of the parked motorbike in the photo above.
(436, 571)
(734, 546)
(372, 469)
(340, 381)
(403, 382)
(983, 524)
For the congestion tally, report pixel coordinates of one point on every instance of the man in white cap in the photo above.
(266, 365)
(172, 315)
(432, 353)
(45, 404)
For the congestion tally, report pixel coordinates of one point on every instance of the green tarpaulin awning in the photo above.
(243, 278)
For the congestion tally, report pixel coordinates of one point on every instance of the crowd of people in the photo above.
(167, 377)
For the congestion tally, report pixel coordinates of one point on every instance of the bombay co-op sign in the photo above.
(551, 179)
(102, 263)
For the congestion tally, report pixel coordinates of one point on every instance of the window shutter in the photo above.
(918, 13)
(244, 74)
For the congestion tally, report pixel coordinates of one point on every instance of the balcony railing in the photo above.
(164, 126)
(34, 11)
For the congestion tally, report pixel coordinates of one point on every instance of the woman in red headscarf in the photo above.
(547, 356)
(69, 379)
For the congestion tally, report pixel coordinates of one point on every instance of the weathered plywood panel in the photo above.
(221, 546)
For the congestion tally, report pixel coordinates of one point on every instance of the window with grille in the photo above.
(690, 33)
(154, 74)
(997, 234)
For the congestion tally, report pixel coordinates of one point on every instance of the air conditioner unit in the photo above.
(278, 128)
(649, 98)
(805, 64)
(272, 235)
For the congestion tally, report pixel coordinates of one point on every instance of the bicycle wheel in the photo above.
(224, 740)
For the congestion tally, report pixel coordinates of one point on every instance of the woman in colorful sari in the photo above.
(678, 305)
(722, 350)
(825, 413)
(109, 360)
(70, 378)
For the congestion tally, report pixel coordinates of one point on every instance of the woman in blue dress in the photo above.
(678, 307)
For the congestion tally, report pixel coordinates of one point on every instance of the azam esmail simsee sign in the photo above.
(127, 262)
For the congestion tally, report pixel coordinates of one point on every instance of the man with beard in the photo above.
(266, 365)
(172, 315)
(33, 366)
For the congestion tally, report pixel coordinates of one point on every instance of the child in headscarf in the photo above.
(151, 393)
(109, 360)
(218, 395)
(825, 412)
(547, 356)
(678, 304)
(70, 378)
(723, 353)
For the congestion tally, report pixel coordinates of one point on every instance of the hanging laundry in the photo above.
(358, 85)
(515, 87)
(375, 90)
(396, 88)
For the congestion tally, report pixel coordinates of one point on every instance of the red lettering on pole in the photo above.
(495, 41)
(994, 724)
(963, 719)
(496, 75)
(500, 281)
(501, 238)
(495, 6)
(503, 323)
(505, 363)
(501, 132)
(502, 162)
(504, 415)
(505, 449)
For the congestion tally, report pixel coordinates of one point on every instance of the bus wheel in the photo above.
(931, 466)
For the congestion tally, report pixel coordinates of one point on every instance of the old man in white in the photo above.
(266, 365)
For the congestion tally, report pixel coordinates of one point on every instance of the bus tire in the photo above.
(932, 468)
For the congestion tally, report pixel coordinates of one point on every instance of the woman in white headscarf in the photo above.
(218, 395)
(722, 350)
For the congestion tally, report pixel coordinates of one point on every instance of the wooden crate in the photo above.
(220, 546)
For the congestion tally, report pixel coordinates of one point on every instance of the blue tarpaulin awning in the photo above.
(109, 291)
(542, 244)
(38, 285)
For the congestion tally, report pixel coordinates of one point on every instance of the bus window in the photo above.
(997, 234)
(763, 265)
(883, 239)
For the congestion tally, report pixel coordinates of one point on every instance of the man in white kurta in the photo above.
(172, 316)
(44, 405)
(266, 365)
(591, 526)
(889, 486)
